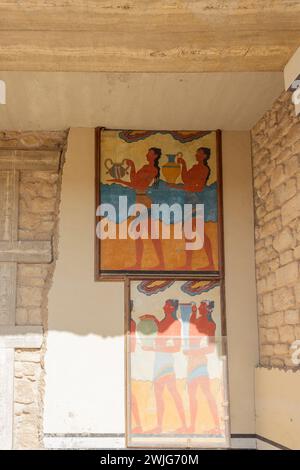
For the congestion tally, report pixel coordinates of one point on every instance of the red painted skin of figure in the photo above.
(203, 324)
(196, 357)
(140, 180)
(134, 405)
(194, 180)
(168, 331)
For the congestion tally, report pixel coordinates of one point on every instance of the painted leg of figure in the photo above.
(159, 252)
(188, 254)
(188, 260)
(192, 389)
(207, 247)
(153, 234)
(205, 386)
(136, 415)
(139, 249)
(160, 407)
(172, 387)
(208, 250)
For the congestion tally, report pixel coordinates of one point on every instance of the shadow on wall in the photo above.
(76, 303)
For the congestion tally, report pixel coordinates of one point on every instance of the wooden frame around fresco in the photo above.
(121, 276)
(127, 313)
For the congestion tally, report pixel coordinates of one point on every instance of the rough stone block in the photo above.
(272, 335)
(278, 176)
(283, 298)
(286, 257)
(30, 296)
(266, 350)
(291, 210)
(287, 334)
(291, 317)
(275, 319)
(281, 349)
(284, 240)
(287, 274)
(268, 303)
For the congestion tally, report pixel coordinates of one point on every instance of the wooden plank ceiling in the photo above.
(148, 35)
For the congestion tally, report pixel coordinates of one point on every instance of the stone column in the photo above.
(276, 172)
(30, 170)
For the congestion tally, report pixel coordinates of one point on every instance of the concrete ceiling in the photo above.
(148, 35)
(58, 100)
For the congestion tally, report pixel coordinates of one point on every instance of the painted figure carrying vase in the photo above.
(116, 170)
(171, 170)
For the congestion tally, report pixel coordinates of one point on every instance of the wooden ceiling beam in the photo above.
(148, 36)
(149, 15)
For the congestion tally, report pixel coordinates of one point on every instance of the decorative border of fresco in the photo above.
(183, 136)
(147, 286)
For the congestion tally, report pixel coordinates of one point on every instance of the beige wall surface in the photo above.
(59, 100)
(277, 406)
(84, 359)
(240, 279)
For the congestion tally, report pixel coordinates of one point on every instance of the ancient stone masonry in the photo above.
(30, 173)
(276, 175)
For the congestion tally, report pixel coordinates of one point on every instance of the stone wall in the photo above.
(31, 163)
(276, 175)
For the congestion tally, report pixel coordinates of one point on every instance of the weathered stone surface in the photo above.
(287, 334)
(272, 335)
(35, 316)
(38, 205)
(291, 210)
(297, 252)
(26, 251)
(283, 240)
(268, 303)
(267, 350)
(292, 317)
(29, 183)
(8, 275)
(28, 356)
(276, 170)
(275, 319)
(297, 331)
(41, 140)
(283, 298)
(34, 160)
(288, 274)
(282, 193)
(276, 362)
(278, 176)
(24, 392)
(281, 349)
(21, 316)
(291, 167)
(30, 296)
(286, 257)
(7, 204)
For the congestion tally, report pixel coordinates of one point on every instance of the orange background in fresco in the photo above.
(119, 254)
(144, 393)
